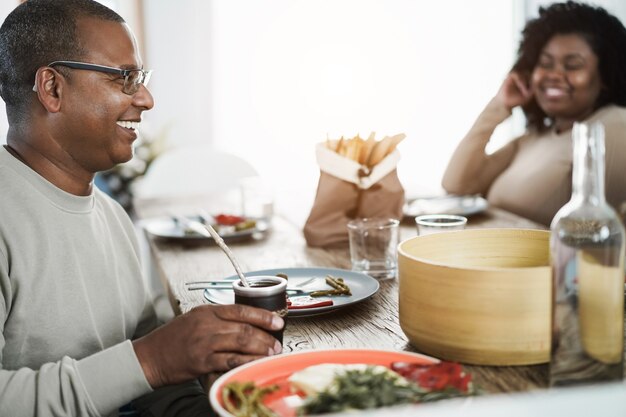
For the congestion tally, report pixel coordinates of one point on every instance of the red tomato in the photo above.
(228, 219)
(435, 377)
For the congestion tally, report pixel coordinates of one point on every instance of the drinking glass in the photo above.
(435, 223)
(373, 246)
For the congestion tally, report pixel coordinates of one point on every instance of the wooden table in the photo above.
(370, 324)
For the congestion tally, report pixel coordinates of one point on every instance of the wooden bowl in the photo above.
(477, 296)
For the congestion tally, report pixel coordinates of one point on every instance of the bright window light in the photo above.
(287, 74)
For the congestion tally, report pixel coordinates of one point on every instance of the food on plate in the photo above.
(436, 377)
(228, 219)
(356, 387)
(188, 231)
(339, 387)
(245, 399)
(334, 387)
(365, 152)
(225, 222)
(319, 378)
(295, 303)
(245, 225)
(339, 288)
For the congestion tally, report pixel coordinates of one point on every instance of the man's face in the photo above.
(97, 131)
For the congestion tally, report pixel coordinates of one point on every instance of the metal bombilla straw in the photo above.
(207, 230)
(220, 242)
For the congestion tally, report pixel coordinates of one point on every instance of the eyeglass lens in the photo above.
(135, 79)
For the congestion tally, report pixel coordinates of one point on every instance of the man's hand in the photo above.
(513, 92)
(206, 339)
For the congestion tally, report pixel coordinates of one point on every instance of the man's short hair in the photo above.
(35, 34)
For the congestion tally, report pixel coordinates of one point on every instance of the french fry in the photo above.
(350, 149)
(358, 144)
(340, 146)
(365, 152)
(366, 149)
(379, 151)
(347, 148)
(355, 148)
(395, 141)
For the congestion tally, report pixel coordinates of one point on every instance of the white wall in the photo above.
(269, 79)
(615, 7)
(288, 73)
(179, 41)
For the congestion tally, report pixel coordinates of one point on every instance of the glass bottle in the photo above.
(587, 261)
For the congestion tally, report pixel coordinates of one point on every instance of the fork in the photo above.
(227, 285)
(215, 287)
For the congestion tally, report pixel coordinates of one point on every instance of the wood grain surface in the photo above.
(369, 324)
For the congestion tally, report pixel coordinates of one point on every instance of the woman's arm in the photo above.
(615, 142)
(470, 169)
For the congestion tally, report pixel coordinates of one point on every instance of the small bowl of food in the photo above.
(478, 296)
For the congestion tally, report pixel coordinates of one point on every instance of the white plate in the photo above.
(465, 205)
(361, 286)
(166, 228)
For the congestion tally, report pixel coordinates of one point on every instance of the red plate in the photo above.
(276, 370)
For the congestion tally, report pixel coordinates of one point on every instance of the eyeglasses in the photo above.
(133, 78)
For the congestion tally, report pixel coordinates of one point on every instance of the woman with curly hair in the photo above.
(571, 67)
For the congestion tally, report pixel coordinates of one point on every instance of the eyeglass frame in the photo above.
(145, 74)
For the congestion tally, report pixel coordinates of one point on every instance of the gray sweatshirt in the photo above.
(71, 298)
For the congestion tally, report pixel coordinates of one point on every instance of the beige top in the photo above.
(532, 175)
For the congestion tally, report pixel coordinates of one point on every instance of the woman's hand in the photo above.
(206, 339)
(513, 92)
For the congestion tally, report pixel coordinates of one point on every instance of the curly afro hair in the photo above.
(605, 34)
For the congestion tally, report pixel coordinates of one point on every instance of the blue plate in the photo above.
(361, 286)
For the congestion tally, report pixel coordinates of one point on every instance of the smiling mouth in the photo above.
(553, 92)
(127, 124)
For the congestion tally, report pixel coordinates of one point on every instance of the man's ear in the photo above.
(49, 87)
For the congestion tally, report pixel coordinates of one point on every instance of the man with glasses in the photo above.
(133, 78)
(78, 333)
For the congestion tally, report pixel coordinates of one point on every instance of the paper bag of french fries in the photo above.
(358, 179)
